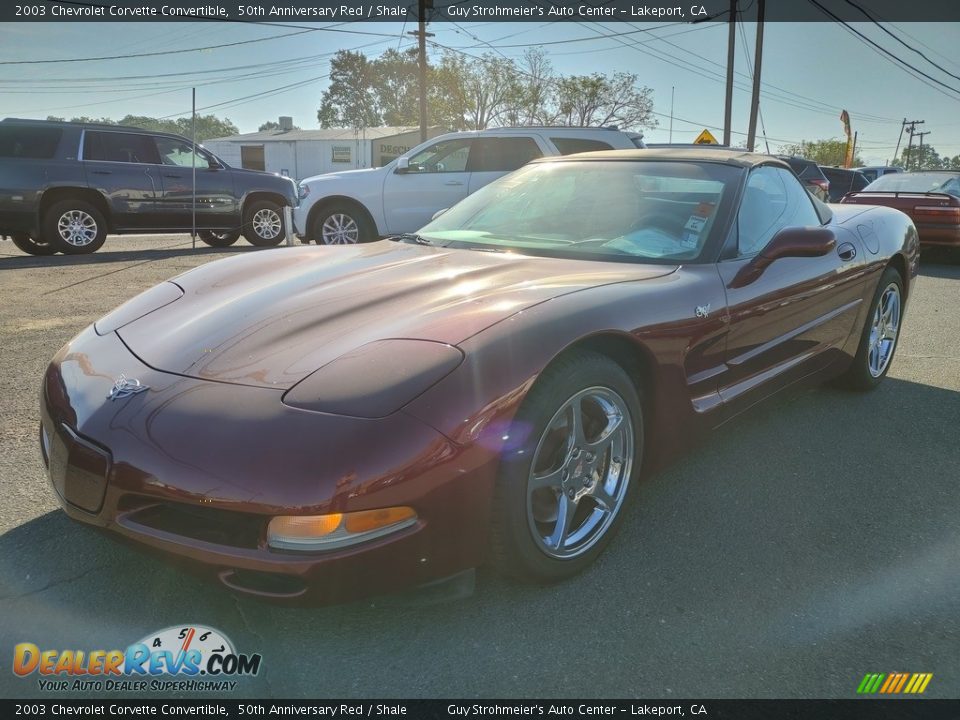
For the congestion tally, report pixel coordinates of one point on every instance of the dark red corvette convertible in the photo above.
(323, 423)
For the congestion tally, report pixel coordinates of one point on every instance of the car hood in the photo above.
(269, 319)
(347, 174)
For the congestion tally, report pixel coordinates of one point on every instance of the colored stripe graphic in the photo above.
(894, 683)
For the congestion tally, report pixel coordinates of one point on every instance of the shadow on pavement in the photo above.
(810, 541)
(103, 257)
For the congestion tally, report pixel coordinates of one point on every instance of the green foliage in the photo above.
(831, 152)
(208, 126)
(913, 158)
(351, 99)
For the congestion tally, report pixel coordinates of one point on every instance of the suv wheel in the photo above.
(219, 238)
(74, 227)
(263, 224)
(341, 224)
(33, 247)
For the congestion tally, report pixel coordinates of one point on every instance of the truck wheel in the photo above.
(341, 224)
(219, 238)
(263, 224)
(74, 227)
(33, 247)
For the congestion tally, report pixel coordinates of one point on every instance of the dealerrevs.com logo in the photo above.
(178, 658)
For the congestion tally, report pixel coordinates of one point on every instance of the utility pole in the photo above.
(731, 44)
(757, 60)
(903, 125)
(422, 35)
(920, 150)
(912, 131)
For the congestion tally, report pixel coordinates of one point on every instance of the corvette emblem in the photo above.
(122, 387)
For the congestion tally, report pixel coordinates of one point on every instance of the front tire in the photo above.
(576, 451)
(341, 224)
(878, 340)
(263, 224)
(219, 238)
(33, 247)
(74, 227)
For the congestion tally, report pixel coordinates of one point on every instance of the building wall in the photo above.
(387, 149)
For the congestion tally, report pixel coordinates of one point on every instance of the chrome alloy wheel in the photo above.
(884, 329)
(267, 223)
(77, 228)
(339, 229)
(580, 472)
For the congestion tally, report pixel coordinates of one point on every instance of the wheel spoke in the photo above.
(552, 479)
(565, 511)
(605, 501)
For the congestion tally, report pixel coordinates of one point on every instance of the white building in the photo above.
(302, 153)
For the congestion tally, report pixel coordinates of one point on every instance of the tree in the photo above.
(822, 152)
(534, 100)
(350, 99)
(396, 87)
(599, 100)
(472, 94)
(208, 126)
(272, 125)
(928, 159)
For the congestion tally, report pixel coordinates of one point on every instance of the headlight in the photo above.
(376, 379)
(335, 530)
(134, 309)
(303, 191)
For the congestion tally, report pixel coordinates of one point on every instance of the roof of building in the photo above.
(323, 134)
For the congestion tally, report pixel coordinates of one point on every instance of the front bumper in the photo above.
(195, 470)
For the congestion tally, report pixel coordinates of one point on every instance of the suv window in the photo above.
(773, 199)
(37, 143)
(179, 153)
(120, 147)
(502, 154)
(569, 146)
(444, 156)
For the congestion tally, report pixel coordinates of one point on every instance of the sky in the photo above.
(812, 71)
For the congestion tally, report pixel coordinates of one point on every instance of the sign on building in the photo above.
(340, 154)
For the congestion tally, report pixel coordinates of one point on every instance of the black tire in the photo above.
(219, 238)
(33, 247)
(859, 375)
(353, 224)
(74, 227)
(263, 224)
(518, 547)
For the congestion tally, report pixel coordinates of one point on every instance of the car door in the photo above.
(792, 318)
(493, 157)
(437, 178)
(122, 166)
(217, 207)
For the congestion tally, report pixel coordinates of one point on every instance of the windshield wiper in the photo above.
(412, 238)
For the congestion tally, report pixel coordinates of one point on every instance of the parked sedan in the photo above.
(932, 199)
(843, 181)
(322, 423)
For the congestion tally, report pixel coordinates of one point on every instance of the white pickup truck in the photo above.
(360, 205)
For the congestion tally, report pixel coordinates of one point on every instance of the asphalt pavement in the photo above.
(795, 550)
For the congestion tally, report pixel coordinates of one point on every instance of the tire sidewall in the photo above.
(250, 233)
(32, 247)
(52, 234)
(514, 548)
(209, 237)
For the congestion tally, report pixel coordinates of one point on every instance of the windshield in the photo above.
(617, 210)
(917, 182)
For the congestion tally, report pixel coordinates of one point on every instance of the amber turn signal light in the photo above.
(334, 530)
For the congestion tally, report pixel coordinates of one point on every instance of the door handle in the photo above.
(101, 172)
(847, 251)
(172, 175)
(453, 182)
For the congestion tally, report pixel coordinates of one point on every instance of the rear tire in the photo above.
(74, 227)
(880, 334)
(33, 247)
(219, 238)
(564, 482)
(263, 224)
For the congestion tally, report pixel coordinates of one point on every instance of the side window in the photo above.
(120, 147)
(179, 153)
(36, 143)
(569, 146)
(444, 156)
(773, 199)
(502, 154)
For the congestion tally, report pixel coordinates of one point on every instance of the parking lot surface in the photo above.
(798, 548)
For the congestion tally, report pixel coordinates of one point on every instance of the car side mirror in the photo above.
(403, 165)
(214, 165)
(789, 242)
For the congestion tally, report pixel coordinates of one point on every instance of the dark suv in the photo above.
(64, 186)
(810, 175)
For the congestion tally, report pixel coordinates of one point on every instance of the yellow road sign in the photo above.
(705, 138)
